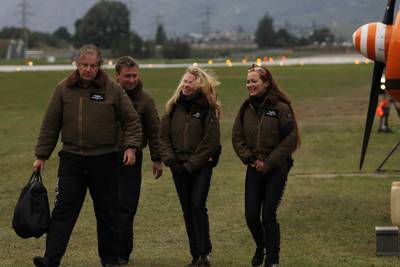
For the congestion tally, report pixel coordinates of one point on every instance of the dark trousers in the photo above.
(77, 173)
(263, 193)
(130, 179)
(192, 191)
(384, 122)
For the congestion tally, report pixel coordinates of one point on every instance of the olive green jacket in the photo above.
(267, 135)
(88, 118)
(183, 138)
(146, 108)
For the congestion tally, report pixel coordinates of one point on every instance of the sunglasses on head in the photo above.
(259, 70)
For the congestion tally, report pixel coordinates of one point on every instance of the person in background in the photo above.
(190, 146)
(382, 111)
(87, 108)
(264, 136)
(127, 75)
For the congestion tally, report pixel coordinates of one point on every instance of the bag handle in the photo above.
(36, 176)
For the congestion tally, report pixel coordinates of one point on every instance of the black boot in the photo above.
(122, 261)
(43, 262)
(193, 263)
(109, 264)
(203, 261)
(258, 257)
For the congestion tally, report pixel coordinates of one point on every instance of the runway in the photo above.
(317, 60)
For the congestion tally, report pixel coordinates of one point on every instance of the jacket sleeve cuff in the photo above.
(249, 160)
(189, 167)
(130, 146)
(155, 158)
(168, 162)
(42, 157)
(271, 164)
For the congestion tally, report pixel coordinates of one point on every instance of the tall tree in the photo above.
(161, 35)
(106, 24)
(139, 48)
(284, 39)
(175, 48)
(62, 33)
(265, 34)
(322, 35)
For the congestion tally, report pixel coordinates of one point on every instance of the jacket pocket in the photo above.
(269, 135)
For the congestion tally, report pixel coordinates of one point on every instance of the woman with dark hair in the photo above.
(264, 136)
(189, 141)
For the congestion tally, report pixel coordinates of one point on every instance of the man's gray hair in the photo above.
(90, 49)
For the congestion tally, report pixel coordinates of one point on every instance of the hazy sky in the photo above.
(183, 16)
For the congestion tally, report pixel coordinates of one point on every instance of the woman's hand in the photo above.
(38, 165)
(261, 166)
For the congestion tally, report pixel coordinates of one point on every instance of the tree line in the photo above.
(107, 25)
(266, 36)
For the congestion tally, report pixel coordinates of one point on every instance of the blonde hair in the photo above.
(206, 81)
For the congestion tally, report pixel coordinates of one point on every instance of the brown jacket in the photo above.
(147, 111)
(88, 118)
(268, 134)
(183, 137)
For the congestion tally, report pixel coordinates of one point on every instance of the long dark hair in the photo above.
(266, 76)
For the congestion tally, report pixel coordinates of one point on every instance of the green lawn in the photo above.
(324, 221)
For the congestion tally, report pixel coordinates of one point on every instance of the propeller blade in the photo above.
(373, 102)
(388, 17)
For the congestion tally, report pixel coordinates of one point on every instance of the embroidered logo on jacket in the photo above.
(271, 113)
(196, 115)
(97, 97)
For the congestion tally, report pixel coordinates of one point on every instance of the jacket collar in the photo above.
(271, 97)
(200, 101)
(75, 80)
(135, 92)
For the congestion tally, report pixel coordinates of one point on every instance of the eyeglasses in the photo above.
(92, 66)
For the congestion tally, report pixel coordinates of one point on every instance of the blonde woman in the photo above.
(190, 146)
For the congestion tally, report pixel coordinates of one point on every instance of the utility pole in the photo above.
(158, 20)
(130, 8)
(24, 12)
(206, 25)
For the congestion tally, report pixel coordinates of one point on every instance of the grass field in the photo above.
(324, 221)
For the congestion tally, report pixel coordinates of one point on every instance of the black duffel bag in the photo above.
(32, 213)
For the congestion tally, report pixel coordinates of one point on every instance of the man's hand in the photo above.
(157, 169)
(38, 165)
(129, 157)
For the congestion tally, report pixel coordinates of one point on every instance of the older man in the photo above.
(87, 108)
(127, 74)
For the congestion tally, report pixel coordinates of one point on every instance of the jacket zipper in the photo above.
(259, 132)
(185, 131)
(258, 127)
(80, 126)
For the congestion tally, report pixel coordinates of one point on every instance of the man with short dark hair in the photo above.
(127, 75)
(87, 108)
